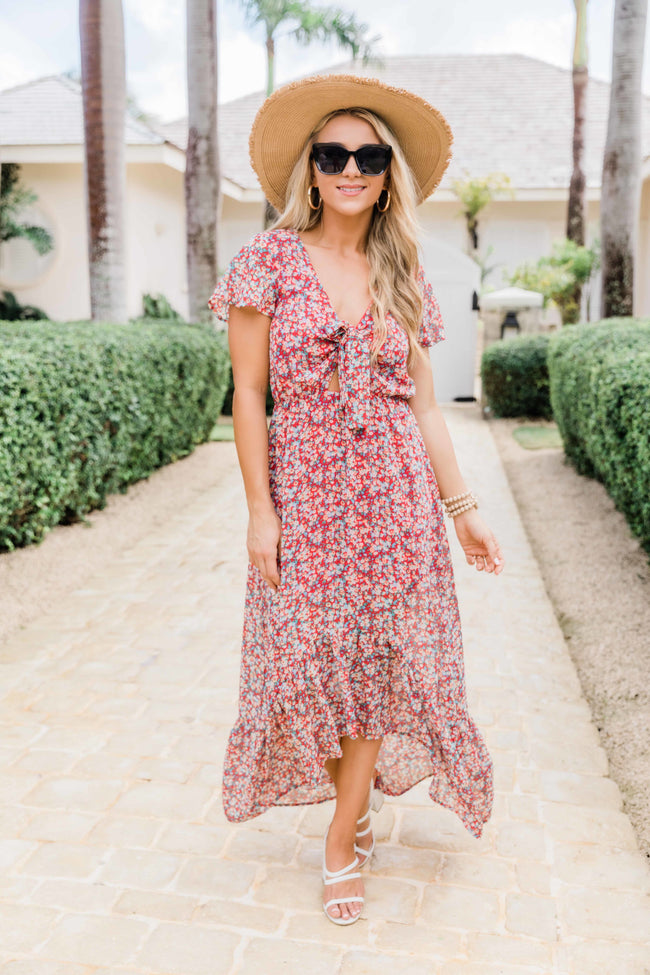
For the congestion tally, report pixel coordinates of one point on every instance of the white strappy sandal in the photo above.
(375, 802)
(335, 877)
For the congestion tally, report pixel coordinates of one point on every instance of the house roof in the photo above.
(49, 111)
(509, 113)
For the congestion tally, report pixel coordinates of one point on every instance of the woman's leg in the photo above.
(351, 775)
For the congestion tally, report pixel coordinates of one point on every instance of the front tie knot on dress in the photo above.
(362, 636)
(352, 356)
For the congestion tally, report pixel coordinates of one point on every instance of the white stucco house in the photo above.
(509, 113)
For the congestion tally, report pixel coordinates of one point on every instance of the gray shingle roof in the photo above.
(508, 112)
(49, 111)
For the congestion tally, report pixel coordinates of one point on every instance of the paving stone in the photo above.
(477, 871)
(75, 895)
(124, 831)
(495, 948)
(34, 967)
(260, 846)
(279, 957)
(165, 800)
(460, 907)
(392, 900)
(140, 868)
(372, 963)
(60, 825)
(532, 915)
(533, 877)
(419, 939)
(250, 918)
(76, 794)
(63, 860)
(595, 866)
(23, 927)
(588, 824)
(154, 904)
(92, 940)
(171, 951)
(210, 875)
(605, 958)
(613, 914)
(189, 838)
(425, 829)
(521, 840)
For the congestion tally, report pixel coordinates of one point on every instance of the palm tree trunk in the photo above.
(202, 176)
(270, 65)
(576, 209)
(621, 182)
(101, 26)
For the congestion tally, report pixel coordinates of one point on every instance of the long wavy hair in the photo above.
(391, 246)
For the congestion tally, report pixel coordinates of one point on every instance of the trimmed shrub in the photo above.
(515, 377)
(87, 409)
(600, 391)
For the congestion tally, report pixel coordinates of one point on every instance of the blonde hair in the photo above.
(391, 246)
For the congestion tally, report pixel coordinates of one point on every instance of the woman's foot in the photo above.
(339, 853)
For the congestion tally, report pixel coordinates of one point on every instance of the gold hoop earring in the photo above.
(309, 198)
(383, 209)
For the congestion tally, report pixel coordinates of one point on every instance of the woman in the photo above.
(352, 668)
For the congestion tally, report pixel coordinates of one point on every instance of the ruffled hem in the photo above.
(278, 758)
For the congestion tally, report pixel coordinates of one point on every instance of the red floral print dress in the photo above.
(363, 636)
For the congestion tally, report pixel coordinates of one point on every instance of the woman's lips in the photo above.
(351, 190)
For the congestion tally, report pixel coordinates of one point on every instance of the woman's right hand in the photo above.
(264, 544)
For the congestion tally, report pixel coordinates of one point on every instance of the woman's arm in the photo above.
(479, 544)
(248, 339)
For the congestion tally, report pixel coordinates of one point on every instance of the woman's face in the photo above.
(350, 192)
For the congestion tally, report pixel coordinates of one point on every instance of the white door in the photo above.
(454, 277)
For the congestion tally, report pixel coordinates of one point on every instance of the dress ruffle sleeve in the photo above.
(432, 329)
(250, 280)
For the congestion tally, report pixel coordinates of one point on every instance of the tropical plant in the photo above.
(12, 311)
(307, 24)
(475, 193)
(14, 199)
(101, 28)
(556, 276)
(621, 181)
(202, 181)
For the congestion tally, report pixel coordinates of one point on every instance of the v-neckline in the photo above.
(312, 269)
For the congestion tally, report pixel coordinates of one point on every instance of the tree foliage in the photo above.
(14, 200)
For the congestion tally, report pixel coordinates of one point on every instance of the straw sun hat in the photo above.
(288, 116)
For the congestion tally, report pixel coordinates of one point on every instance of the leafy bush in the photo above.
(559, 276)
(158, 307)
(515, 377)
(12, 311)
(600, 391)
(87, 409)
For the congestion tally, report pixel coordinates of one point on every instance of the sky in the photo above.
(155, 41)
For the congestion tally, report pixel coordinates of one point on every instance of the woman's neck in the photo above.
(338, 232)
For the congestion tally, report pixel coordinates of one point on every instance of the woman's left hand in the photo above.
(477, 541)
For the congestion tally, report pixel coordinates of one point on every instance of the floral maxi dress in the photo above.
(363, 636)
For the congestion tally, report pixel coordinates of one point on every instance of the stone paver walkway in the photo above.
(116, 857)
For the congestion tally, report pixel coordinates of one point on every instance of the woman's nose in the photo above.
(351, 168)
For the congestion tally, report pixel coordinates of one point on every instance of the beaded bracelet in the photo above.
(459, 503)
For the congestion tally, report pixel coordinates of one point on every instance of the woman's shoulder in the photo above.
(272, 243)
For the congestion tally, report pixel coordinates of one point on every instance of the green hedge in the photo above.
(87, 409)
(600, 392)
(514, 375)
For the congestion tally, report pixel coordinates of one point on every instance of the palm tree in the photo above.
(101, 27)
(575, 227)
(621, 182)
(307, 24)
(576, 210)
(202, 158)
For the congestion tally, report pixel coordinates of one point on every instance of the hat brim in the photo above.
(286, 119)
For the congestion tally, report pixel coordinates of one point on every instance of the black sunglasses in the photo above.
(331, 158)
